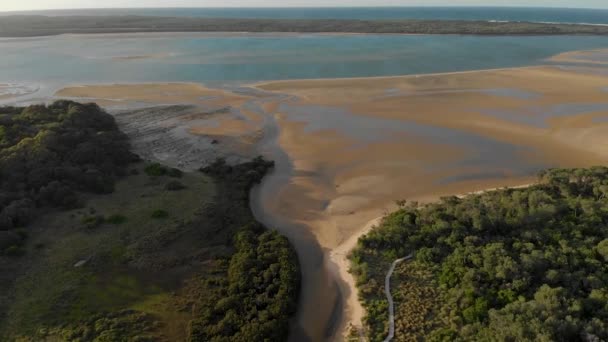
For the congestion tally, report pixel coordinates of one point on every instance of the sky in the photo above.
(18, 5)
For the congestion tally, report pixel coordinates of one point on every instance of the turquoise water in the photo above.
(231, 58)
(562, 15)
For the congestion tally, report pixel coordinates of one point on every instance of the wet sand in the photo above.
(13, 91)
(346, 149)
(599, 56)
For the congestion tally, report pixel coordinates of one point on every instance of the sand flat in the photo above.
(357, 145)
(588, 57)
(153, 93)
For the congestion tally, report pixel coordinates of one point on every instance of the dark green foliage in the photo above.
(14, 250)
(260, 294)
(126, 325)
(48, 155)
(157, 170)
(174, 186)
(116, 219)
(159, 214)
(11, 242)
(93, 221)
(515, 265)
(257, 292)
(244, 175)
(175, 173)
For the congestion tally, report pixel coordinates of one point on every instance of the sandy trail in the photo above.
(348, 148)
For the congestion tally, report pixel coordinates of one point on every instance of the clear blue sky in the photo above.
(16, 5)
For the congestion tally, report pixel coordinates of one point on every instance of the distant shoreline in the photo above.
(36, 25)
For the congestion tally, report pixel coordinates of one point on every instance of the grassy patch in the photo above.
(53, 291)
(159, 214)
(116, 219)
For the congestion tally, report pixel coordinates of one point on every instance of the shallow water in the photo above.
(538, 115)
(218, 58)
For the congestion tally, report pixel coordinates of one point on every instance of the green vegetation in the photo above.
(256, 300)
(50, 155)
(116, 219)
(111, 271)
(21, 26)
(160, 214)
(157, 170)
(509, 265)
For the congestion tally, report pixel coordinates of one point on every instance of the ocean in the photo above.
(557, 15)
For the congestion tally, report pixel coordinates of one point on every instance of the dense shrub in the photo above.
(159, 214)
(513, 265)
(260, 295)
(157, 170)
(116, 219)
(50, 154)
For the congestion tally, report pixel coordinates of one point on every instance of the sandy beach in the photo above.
(354, 146)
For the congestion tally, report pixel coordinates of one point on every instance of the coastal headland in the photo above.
(346, 149)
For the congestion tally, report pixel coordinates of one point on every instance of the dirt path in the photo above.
(391, 304)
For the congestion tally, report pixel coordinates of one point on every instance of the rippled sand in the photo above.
(354, 146)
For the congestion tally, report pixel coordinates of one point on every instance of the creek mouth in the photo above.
(320, 308)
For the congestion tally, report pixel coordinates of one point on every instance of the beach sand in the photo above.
(357, 145)
(599, 56)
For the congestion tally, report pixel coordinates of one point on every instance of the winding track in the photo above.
(391, 305)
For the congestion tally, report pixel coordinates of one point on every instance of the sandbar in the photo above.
(599, 56)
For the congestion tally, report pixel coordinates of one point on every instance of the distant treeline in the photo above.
(23, 26)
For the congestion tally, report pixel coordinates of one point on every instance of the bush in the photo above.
(159, 214)
(156, 170)
(14, 251)
(116, 219)
(175, 173)
(93, 221)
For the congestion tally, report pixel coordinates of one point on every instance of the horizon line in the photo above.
(295, 7)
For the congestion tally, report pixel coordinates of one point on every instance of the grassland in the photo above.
(76, 265)
(22, 26)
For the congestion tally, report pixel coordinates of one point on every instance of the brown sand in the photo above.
(343, 178)
(587, 57)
